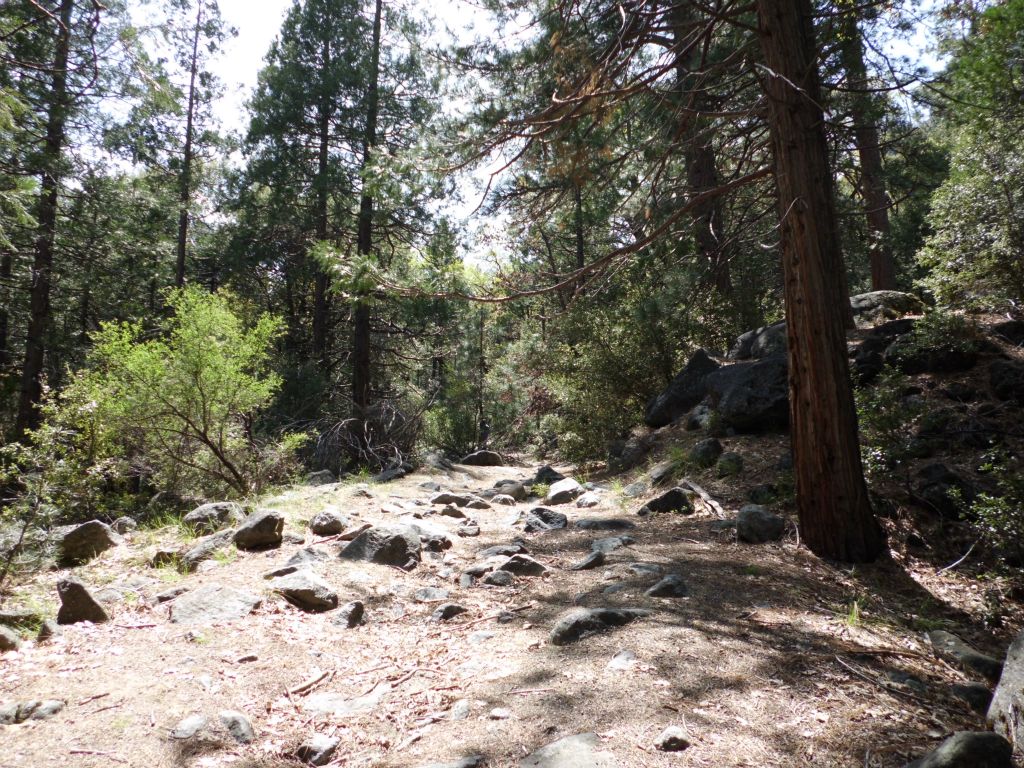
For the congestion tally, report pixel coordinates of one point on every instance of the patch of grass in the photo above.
(169, 520)
(170, 571)
(540, 490)
(226, 556)
(754, 570)
(853, 614)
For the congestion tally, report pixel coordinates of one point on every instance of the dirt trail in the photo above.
(772, 659)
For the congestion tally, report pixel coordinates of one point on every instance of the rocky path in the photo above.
(457, 618)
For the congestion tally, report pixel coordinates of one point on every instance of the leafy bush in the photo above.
(1000, 518)
(886, 416)
(176, 411)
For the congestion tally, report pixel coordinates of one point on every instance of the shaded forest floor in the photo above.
(775, 658)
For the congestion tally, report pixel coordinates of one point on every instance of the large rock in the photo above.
(512, 488)
(307, 591)
(603, 524)
(953, 649)
(563, 491)
(210, 518)
(581, 622)
(318, 749)
(751, 397)
(686, 390)
(204, 549)
(9, 640)
(543, 519)
(1011, 331)
(547, 474)
(328, 522)
(764, 342)
(77, 604)
(1006, 712)
(580, 751)
(705, 453)
(756, 524)
(84, 542)
(870, 309)
(907, 355)
(483, 459)
(447, 497)
(263, 528)
(626, 454)
(673, 500)
(395, 545)
(968, 749)
(1007, 380)
(670, 586)
(522, 565)
(213, 603)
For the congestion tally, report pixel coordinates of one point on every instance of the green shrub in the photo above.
(886, 418)
(999, 519)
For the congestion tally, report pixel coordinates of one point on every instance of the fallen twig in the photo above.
(491, 617)
(87, 699)
(527, 691)
(880, 684)
(111, 755)
(704, 496)
(951, 566)
(306, 686)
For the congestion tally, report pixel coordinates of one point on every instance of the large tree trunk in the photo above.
(185, 182)
(361, 358)
(865, 133)
(321, 280)
(31, 393)
(836, 520)
(707, 218)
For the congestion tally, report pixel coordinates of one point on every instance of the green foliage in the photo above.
(886, 419)
(937, 333)
(177, 411)
(999, 518)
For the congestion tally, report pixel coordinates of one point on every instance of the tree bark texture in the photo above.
(185, 182)
(361, 321)
(31, 392)
(836, 520)
(869, 153)
(321, 280)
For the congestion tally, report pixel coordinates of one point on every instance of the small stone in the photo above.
(670, 586)
(729, 464)
(468, 531)
(645, 569)
(477, 503)
(672, 739)
(77, 604)
(547, 474)
(86, 541)
(541, 519)
(262, 528)
(350, 614)
(47, 630)
(505, 550)
(523, 565)
(9, 640)
(163, 556)
(307, 591)
(622, 661)
(499, 579)
(169, 594)
(563, 491)
(603, 524)
(660, 474)
(452, 511)
(189, 727)
(238, 726)
(705, 453)
(594, 560)
(611, 544)
(318, 749)
(503, 499)
(499, 713)
(212, 517)
(581, 622)
(673, 500)
(124, 525)
(633, 490)
(460, 709)
(320, 477)
(213, 603)
(328, 522)
(447, 497)
(579, 751)
(588, 500)
(756, 524)
(431, 595)
(447, 611)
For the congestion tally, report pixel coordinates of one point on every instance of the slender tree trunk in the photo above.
(836, 520)
(361, 362)
(865, 133)
(6, 266)
(707, 218)
(185, 188)
(581, 241)
(321, 284)
(42, 266)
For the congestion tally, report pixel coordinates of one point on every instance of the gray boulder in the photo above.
(82, 543)
(968, 749)
(395, 545)
(204, 549)
(123, 525)
(581, 622)
(705, 453)
(447, 497)
(670, 586)
(603, 524)
(9, 640)
(522, 565)
(729, 464)
(547, 474)
(563, 491)
(686, 390)
(238, 726)
(953, 649)
(756, 524)
(328, 522)
(1006, 712)
(541, 519)
(595, 559)
(307, 591)
(351, 614)
(752, 397)
(611, 543)
(512, 488)
(320, 477)
(763, 342)
(673, 500)
(213, 603)
(318, 749)
(876, 307)
(77, 604)
(263, 528)
(210, 518)
(483, 459)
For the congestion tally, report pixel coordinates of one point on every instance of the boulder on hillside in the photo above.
(686, 390)
(512, 488)
(306, 590)
(870, 309)
(210, 518)
(629, 453)
(541, 519)
(320, 477)
(1011, 331)
(213, 603)
(752, 397)
(85, 541)
(483, 459)
(756, 524)
(969, 749)
(263, 528)
(547, 474)
(705, 453)
(869, 357)
(77, 604)
(203, 549)
(395, 545)
(1007, 380)
(673, 500)
(580, 622)
(1006, 712)
(766, 341)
